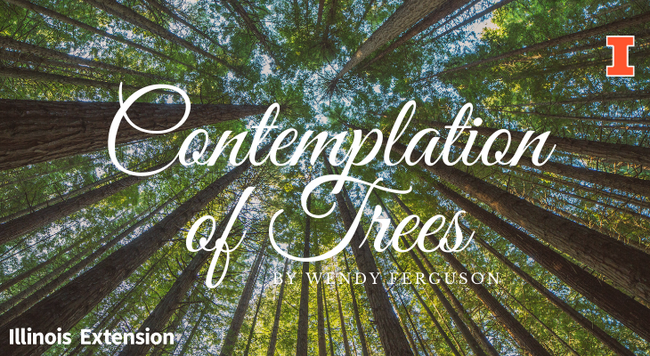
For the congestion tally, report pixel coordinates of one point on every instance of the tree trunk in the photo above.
(319, 16)
(166, 307)
(39, 131)
(162, 6)
(549, 329)
(431, 316)
(257, 311)
(344, 331)
(322, 342)
(528, 343)
(570, 38)
(392, 336)
(622, 120)
(28, 74)
(355, 307)
(232, 335)
(41, 218)
(42, 53)
(597, 332)
(473, 18)
(251, 25)
(624, 265)
(173, 326)
(445, 9)
(327, 315)
(404, 17)
(610, 151)
(404, 326)
(123, 12)
(186, 345)
(78, 24)
(588, 99)
(32, 271)
(625, 309)
(303, 310)
(32, 295)
(413, 326)
(471, 336)
(65, 307)
(57, 199)
(273, 339)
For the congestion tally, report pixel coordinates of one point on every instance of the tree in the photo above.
(41, 131)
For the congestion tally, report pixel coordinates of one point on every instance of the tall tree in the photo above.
(392, 336)
(39, 131)
(303, 311)
(65, 307)
(404, 17)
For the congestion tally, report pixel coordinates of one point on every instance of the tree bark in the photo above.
(626, 266)
(38, 131)
(163, 7)
(404, 17)
(597, 332)
(303, 310)
(322, 342)
(28, 74)
(68, 305)
(355, 307)
(392, 336)
(273, 339)
(32, 295)
(526, 341)
(473, 18)
(41, 218)
(78, 24)
(435, 321)
(570, 38)
(344, 331)
(166, 307)
(257, 311)
(42, 53)
(251, 25)
(623, 120)
(473, 336)
(625, 309)
(445, 9)
(327, 315)
(232, 335)
(123, 12)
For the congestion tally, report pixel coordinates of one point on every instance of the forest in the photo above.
(85, 246)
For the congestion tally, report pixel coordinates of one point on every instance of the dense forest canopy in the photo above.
(85, 246)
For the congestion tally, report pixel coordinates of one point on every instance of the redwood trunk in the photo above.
(570, 38)
(68, 305)
(78, 24)
(38, 131)
(625, 309)
(393, 339)
(626, 266)
(232, 335)
(526, 341)
(322, 342)
(438, 14)
(597, 332)
(273, 339)
(404, 17)
(355, 307)
(303, 310)
(178, 292)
